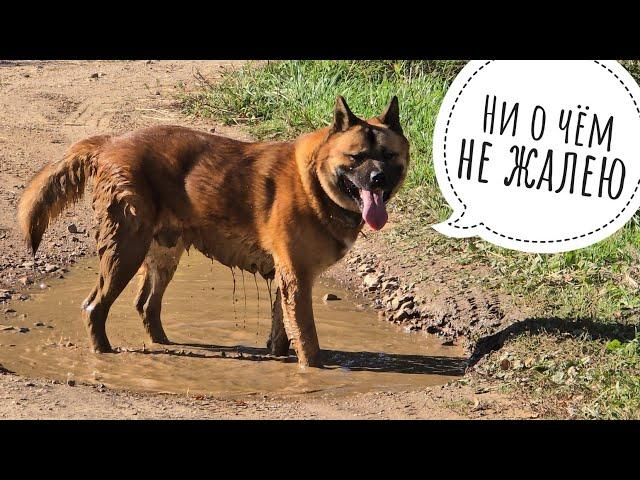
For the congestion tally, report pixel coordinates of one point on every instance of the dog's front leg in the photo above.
(278, 343)
(297, 309)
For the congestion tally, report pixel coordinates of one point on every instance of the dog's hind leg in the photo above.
(122, 246)
(159, 266)
(278, 343)
(125, 229)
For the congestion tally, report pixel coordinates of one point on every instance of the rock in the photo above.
(38, 324)
(72, 228)
(24, 281)
(28, 264)
(71, 382)
(9, 310)
(389, 285)
(400, 316)
(371, 280)
(364, 269)
(447, 342)
(43, 286)
(329, 297)
(505, 364)
(558, 377)
(407, 305)
(23, 330)
(6, 328)
(50, 268)
(5, 294)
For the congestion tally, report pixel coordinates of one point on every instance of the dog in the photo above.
(285, 210)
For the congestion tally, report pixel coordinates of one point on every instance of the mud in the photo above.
(219, 340)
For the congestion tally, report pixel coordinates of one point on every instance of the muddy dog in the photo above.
(286, 210)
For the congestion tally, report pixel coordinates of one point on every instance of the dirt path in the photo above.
(44, 107)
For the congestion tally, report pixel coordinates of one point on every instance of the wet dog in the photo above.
(286, 210)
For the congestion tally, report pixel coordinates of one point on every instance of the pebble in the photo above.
(372, 280)
(407, 305)
(50, 268)
(330, 297)
(389, 285)
(72, 228)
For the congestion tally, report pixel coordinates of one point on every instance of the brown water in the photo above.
(219, 343)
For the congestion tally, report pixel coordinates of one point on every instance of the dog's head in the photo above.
(364, 162)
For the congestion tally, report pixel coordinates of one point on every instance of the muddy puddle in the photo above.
(219, 343)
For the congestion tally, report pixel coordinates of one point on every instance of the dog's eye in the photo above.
(357, 157)
(387, 156)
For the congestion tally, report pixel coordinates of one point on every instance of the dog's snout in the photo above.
(377, 179)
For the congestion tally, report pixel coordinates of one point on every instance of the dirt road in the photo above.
(44, 107)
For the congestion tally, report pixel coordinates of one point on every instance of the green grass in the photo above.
(577, 376)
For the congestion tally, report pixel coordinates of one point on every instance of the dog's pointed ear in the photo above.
(343, 117)
(391, 116)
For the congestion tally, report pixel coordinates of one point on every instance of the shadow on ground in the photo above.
(577, 328)
(355, 361)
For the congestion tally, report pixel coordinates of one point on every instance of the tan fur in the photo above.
(277, 209)
(55, 187)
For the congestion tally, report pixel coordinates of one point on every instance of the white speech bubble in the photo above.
(574, 120)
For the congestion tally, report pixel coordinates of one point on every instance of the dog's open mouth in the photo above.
(372, 202)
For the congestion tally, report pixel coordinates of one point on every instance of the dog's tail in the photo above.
(55, 187)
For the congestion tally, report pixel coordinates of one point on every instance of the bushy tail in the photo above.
(55, 187)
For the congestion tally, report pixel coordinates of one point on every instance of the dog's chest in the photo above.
(234, 250)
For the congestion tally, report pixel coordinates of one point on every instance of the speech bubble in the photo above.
(539, 156)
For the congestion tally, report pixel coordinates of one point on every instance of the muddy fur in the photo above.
(280, 209)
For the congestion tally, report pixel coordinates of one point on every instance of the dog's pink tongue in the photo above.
(373, 210)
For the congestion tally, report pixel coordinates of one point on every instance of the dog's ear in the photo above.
(391, 116)
(343, 117)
